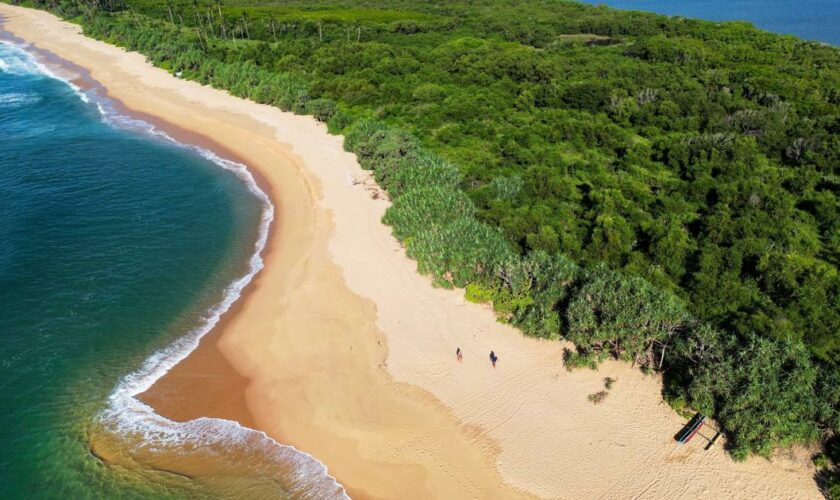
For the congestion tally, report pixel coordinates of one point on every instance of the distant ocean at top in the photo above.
(809, 19)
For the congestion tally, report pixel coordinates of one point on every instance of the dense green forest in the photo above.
(662, 190)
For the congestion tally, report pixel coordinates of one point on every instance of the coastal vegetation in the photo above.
(659, 190)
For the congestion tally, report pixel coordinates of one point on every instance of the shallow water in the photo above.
(809, 19)
(119, 248)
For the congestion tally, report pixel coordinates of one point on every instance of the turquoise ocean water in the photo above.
(817, 20)
(119, 248)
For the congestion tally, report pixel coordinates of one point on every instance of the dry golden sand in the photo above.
(340, 349)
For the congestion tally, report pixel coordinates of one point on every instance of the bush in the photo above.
(321, 109)
(339, 121)
(423, 207)
(829, 475)
(624, 316)
(478, 294)
(459, 252)
(425, 170)
(573, 359)
(362, 138)
(396, 150)
(429, 92)
(587, 96)
(598, 397)
(551, 281)
(764, 394)
(290, 93)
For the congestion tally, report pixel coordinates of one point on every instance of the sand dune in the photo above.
(341, 349)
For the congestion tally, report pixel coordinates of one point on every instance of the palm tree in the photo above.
(169, 8)
(272, 24)
(245, 22)
(221, 20)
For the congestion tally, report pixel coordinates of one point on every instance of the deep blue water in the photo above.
(809, 19)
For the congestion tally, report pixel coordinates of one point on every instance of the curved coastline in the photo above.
(464, 428)
(164, 424)
(125, 413)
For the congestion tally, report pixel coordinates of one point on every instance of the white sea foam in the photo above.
(16, 60)
(126, 414)
(17, 99)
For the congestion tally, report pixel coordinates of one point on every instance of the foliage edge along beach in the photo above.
(657, 189)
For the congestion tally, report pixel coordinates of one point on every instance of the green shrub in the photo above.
(339, 121)
(550, 281)
(624, 316)
(572, 359)
(424, 170)
(429, 92)
(397, 150)
(478, 294)
(764, 394)
(321, 109)
(362, 138)
(421, 208)
(460, 251)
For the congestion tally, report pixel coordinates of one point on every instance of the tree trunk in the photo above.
(662, 357)
(222, 21)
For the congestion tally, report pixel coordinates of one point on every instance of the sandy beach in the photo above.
(339, 348)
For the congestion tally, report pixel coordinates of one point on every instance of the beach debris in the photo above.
(369, 184)
(350, 178)
(373, 189)
(375, 193)
(597, 397)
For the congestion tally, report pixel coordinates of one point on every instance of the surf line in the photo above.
(124, 413)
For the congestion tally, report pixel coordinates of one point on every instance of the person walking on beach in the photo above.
(493, 358)
(459, 354)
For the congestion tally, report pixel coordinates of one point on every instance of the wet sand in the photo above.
(340, 349)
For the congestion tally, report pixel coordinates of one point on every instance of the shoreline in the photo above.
(411, 476)
(183, 137)
(110, 436)
(80, 79)
(402, 417)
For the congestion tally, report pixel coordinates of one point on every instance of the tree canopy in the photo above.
(660, 189)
